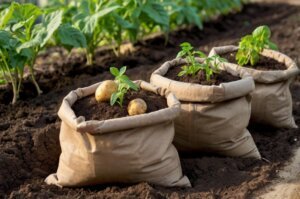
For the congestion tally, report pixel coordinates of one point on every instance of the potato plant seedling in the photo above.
(210, 65)
(124, 85)
(251, 45)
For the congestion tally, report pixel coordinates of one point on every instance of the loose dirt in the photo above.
(29, 131)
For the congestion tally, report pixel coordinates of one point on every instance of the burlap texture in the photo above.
(123, 150)
(212, 118)
(271, 99)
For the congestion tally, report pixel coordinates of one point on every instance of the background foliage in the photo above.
(26, 28)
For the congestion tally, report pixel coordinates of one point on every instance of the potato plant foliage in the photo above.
(23, 39)
(26, 29)
(210, 65)
(251, 45)
(124, 85)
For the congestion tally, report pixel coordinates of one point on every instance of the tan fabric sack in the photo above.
(212, 118)
(271, 100)
(123, 150)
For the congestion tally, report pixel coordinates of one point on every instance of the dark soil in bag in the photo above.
(200, 77)
(264, 63)
(93, 110)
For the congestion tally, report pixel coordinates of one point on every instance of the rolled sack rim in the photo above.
(79, 124)
(261, 76)
(191, 92)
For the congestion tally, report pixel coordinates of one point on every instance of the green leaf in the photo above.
(262, 32)
(25, 15)
(200, 54)
(193, 17)
(5, 16)
(35, 42)
(71, 37)
(156, 12)
(127, 81)
(43, 32)
(181, 73)
(180, 54)
(124, 23)
(5, 38)
(51, 23)
(91, 22)
(254, 58)
(122, 70)
(241, 57)
(272, 45)
(25, 11)
(113, 98)
(114, 71)
(17, 60)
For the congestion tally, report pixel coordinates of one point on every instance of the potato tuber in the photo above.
(136, 107)
(105, 90)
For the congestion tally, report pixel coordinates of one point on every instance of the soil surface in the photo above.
(29, 131)
(200, 77)
(264, 63)
(93, 110)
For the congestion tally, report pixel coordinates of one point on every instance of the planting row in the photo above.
(26, 29)
(119, 131)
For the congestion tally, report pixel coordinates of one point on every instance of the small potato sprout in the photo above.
(136, 107)
(210, 65)
(124, 85)
(105, 90)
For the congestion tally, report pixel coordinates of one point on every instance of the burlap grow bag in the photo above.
(123, 150)
(272, 101)
(212, 118)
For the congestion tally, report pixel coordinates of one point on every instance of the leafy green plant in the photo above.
(133, 20)
(210, 65)
(183, 12)
(20, 20)
(11, 62)
(23, 39)
(70, 37)
(112, 22)
(252, 45)
(189, 54)
(124, 85)
(88, 20)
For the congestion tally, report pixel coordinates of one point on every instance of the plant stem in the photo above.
(4, 74)
(15, 93)
(39, 91)
(13, 81)
(89, 57)
(20, 82)
(117, 52)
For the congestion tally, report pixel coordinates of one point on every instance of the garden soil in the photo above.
(29, 131)
(200, 77)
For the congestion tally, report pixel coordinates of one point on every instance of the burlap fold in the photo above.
(272, 101)
(212, 118)
(123, 150)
